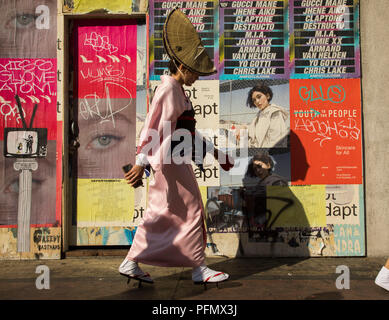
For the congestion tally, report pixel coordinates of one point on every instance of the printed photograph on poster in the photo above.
(25, 143)
(325, 39)
(326, 132)
(106, 73)
(254, 40)
(204, 16)
(28, 29)
(254, 118)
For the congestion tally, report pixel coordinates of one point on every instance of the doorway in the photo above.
(107, 85)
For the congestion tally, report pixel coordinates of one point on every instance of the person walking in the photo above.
(172, 232)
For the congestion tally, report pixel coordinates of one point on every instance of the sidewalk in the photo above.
(96, 278)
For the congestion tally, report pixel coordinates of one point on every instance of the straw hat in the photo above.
(183, 44)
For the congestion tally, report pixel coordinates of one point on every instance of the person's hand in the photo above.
(134, 175)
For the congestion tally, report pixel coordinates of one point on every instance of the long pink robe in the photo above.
(172, 232)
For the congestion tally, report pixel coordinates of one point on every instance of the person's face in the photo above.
(261, 169)
(189, 77)
(260, 100)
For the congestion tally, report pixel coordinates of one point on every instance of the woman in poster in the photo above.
(268, 129)
(172, 233)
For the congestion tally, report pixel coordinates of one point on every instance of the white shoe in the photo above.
(131, 270)
(382, 278)
(203, 274)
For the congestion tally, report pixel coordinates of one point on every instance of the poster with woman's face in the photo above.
(28, 28)
(254, 117)
(28, 37)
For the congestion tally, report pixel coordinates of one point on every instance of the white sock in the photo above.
(382, 278)
(203, 273)
(130, 267)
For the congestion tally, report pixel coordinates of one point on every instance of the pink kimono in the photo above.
(172, 232)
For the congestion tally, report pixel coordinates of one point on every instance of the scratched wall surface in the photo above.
(30, 133)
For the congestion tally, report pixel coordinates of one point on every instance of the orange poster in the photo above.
(326, 131)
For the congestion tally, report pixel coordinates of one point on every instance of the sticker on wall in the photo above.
(203, 14)
(325, 39)
(326, 132)
(254, 42)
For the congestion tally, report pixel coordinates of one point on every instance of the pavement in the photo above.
(97, 278)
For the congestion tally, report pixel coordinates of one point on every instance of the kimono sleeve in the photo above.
(160, 123)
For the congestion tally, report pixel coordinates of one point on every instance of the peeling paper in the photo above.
(110, 6)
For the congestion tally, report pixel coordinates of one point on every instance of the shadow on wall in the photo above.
(263, 214)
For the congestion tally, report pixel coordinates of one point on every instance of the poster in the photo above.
(325, 37)
(85, 6)
(106, 88)
(203, 14)
(254, 41)
(326, 131)
(104, 202)
(30, 187)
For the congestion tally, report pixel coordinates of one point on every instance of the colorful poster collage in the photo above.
(30, 131)
(297, 189)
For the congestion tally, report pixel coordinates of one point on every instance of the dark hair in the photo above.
(173, 64)
(260, 88)
(263, 156)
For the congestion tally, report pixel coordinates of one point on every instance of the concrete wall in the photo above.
(375, 81)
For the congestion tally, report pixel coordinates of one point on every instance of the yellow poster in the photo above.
(296, 206)
(104, 202)
(84, 6)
